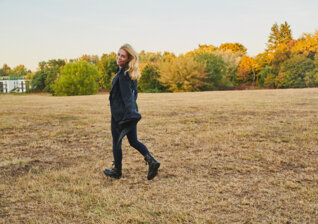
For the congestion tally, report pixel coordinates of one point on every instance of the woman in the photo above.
(124, 110)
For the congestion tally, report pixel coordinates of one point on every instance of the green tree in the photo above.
(18, 71)
(79, 78)
(264, 68)
(5, 70)
(232, 62)
(148, 81)
(215, 69)
(107, 67)
(2, 72)
(295, 71)
(263, 74)
(93, 59)
(47, 73)
(51, 69)
(269, 80)
(38, 80)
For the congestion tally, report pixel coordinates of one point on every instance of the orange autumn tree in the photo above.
(247, 69)
(279, 35)
(307, 45)
(234, 47)
(202, 49)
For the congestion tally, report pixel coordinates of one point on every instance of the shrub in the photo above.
(78, 78)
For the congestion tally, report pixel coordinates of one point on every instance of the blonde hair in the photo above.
(133, 64)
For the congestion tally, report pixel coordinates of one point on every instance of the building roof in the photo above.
(11, 77)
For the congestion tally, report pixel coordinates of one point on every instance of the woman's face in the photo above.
(122, 58)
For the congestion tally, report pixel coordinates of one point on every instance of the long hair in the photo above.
(133, 64)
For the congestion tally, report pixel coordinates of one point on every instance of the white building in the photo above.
(18, 86)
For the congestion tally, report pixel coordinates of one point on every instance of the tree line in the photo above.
(285, 63)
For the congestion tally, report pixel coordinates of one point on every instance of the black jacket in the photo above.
(122, 97)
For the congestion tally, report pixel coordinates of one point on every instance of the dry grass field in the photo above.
(226, 157)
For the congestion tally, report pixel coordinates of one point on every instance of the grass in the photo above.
(226, 157)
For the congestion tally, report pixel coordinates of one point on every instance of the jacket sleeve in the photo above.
(126, 92)
(131, 114)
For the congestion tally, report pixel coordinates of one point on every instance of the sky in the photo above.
(32, 31)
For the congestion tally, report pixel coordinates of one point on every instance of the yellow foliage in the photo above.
(247, 68)
(167, 56)
(150, 56)
(308, 45)
(281, 54)
(182, 74)
(278, 55)
(262, 59)
(89, 58)
(203, 49)
(29, 76)
(234, 47)
(142, 65)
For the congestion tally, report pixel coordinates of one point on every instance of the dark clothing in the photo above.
(125, 116)
(132, 139)
(122, 97)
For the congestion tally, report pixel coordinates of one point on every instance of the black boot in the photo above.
(153, 166)
(114, 172)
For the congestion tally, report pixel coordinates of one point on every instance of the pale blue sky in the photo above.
(38, 30)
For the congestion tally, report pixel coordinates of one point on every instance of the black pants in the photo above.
(132, 139)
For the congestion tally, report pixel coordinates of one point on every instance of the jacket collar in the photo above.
(119, 70)
(124, 68)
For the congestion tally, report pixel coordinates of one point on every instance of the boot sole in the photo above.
(155, 171)
(116, 177)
